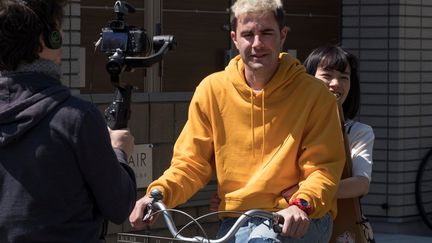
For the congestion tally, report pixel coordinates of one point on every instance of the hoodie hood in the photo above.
(26, 97)
(287, 71)
(275, 90)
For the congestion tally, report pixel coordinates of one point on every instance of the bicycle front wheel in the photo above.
(424, 189)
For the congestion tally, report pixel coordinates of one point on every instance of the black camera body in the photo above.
(118, 35)
(129, 39)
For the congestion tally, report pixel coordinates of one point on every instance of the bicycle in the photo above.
(157, 207)
(423, 190)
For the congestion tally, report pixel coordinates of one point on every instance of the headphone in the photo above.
(51, 36)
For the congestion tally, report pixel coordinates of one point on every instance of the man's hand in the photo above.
(122, 139)
(137, 215)
(296, 222)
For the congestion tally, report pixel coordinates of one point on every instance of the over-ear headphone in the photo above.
(51, 36)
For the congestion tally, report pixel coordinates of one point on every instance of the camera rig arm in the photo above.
(161, 44)
(119, 61)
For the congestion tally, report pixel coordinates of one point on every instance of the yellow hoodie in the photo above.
(259, 143)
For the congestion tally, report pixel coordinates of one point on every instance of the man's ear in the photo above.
(53, 55)
(284, 33)
(42, 45)
(233, 38)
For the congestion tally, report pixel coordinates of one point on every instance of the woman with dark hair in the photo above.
(337, 68)
(334, 58)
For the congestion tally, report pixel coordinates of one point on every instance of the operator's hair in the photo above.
(21, 24)
(257, 6)
(337, 58)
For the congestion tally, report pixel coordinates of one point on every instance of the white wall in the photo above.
(71, 51)
(392, 39)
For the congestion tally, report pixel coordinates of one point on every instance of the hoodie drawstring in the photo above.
(252, 97)
(263, 124)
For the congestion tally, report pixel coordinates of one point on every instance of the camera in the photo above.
(119, 35)
(127, 48)
(126, 44)
(131, 40)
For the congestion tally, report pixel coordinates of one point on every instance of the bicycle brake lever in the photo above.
(156, 194)
(277, 221)
(148, 214)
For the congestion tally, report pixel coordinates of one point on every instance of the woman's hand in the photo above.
(288, 192)
(214, 202)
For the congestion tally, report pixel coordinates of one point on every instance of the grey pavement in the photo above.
(413, 231)
(401, 238)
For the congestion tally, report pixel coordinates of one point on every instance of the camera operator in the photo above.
(62, 172)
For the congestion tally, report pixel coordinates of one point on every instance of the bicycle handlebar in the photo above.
(275, 220)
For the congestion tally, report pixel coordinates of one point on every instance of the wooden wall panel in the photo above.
(110, 3)
(200, 51)
(202, 42)
(313, 7)
(202, 5)
(308, 33)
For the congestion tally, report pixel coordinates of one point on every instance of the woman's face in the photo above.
(338, 83)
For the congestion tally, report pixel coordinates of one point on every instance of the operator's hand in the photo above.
(122, 139)
(137, 215)
(296, 222)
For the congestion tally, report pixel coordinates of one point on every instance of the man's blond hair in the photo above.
(257, 6)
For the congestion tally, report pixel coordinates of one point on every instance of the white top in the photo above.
(360, 139)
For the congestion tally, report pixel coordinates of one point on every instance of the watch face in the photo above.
(304, 203)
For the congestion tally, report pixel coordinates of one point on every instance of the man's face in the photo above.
(259, 40)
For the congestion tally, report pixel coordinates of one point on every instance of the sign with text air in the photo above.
(142, 164)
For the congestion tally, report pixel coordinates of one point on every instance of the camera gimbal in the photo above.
(123, 43)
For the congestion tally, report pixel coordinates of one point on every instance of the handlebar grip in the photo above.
(156, 194)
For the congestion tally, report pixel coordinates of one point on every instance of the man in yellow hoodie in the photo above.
(263, 125)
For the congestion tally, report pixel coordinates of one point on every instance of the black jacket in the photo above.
(59, 175)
